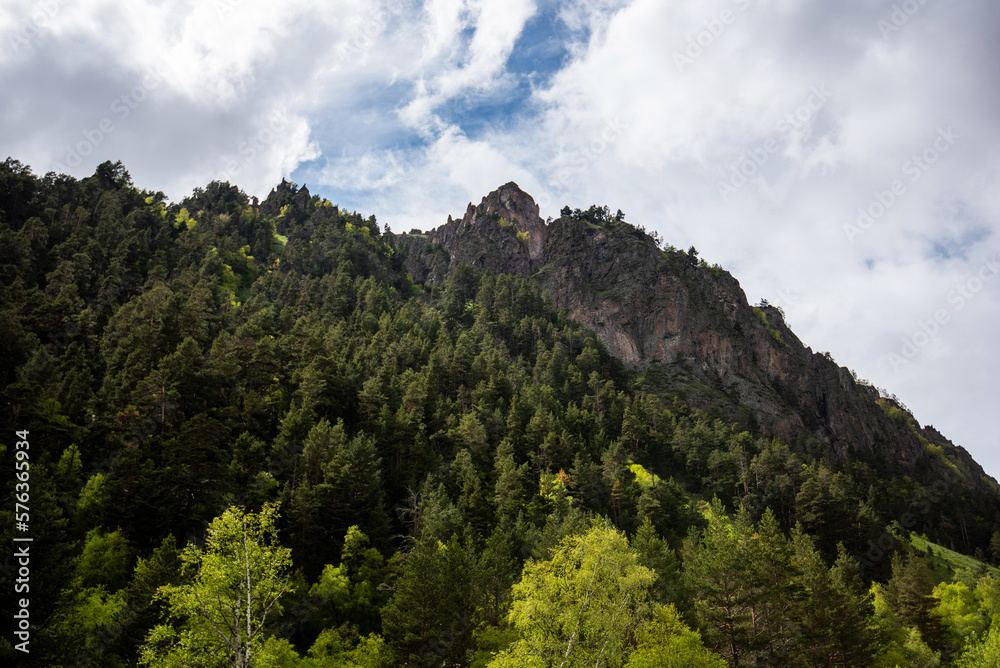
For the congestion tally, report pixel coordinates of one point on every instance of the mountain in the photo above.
(421, 438)
(689, 329)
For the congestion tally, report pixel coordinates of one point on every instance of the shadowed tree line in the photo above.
(255, 441)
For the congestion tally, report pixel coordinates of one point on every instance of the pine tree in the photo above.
(910, 593)
(743, 581)
(429, 618)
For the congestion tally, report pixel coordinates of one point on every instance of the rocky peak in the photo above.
(302, 198)
(509, 207)
(519, 208)
(504, 234)
(691, 323)
(284, 194)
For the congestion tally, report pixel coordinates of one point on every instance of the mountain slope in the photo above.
(427, 417)
(690, 328)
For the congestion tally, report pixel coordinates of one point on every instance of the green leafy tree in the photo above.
(580, 607)
(351, 592)
(219, 618)
(982, 654)
(94, 608)
(898, 645)
(960, 615)
(666, 642)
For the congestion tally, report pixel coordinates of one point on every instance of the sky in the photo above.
(842, 160)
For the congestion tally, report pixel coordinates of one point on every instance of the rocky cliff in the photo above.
(687, 327)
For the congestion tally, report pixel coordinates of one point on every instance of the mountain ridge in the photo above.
(666, 310)
(440, 430)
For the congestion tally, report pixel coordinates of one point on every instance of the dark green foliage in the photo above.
(909, 594)
(430, 617)
(171, 361)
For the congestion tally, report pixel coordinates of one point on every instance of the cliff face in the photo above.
(687, 325)
(503, 234)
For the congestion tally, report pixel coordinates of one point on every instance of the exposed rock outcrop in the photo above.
(504, 234)
(663, 310)
(285, 194)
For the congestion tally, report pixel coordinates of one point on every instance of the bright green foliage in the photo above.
(351, 591)
(666, 642)
(365, 568)
(898, 645)
(105, 561)
(644, 478)
(761, 316)
(183, 219)
(94, 610)
(91, 503)
(330, 650)
(87, 619)
(581, 606)
(959, 613)
(984, 653)
(988, 596)
(237, 581)
(69, 463)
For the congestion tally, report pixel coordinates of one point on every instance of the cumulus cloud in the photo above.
(183, 92)
(476, 68)
(839, 158)
(764, 132)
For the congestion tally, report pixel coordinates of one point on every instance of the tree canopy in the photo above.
(466, 476)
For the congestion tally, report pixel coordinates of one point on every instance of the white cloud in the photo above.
(222, 71)
(378, 99)
(496, 28)
(691, 123)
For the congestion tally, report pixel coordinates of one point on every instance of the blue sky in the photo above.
(841, 159)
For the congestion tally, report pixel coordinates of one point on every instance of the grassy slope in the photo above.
(945, 563)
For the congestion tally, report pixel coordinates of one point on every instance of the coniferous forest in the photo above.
(242, 434)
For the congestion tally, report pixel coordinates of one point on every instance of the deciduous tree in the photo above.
(220, 616)
(581, 606)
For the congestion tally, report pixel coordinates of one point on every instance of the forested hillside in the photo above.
(259, 436)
